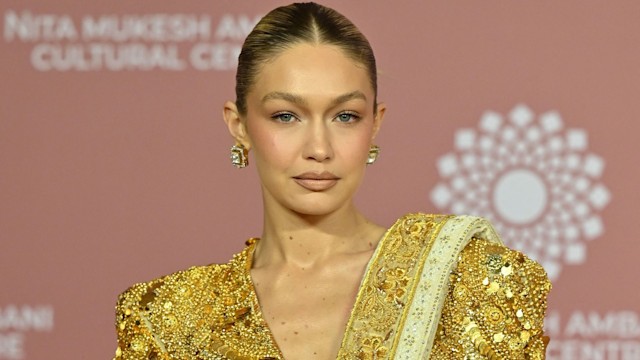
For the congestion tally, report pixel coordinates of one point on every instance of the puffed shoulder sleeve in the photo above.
(495, 306)
(136, 338)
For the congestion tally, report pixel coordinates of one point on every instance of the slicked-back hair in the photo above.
(286, 26)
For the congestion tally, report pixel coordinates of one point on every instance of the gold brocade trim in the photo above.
(390, 280)
(429, 291)
(418, 332)
(425, 254)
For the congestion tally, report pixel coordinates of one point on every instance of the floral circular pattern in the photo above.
(533, 179)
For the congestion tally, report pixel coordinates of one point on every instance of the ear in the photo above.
(235, 124)
(381, 108)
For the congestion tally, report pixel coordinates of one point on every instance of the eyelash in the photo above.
(278, 117)
(353, 117)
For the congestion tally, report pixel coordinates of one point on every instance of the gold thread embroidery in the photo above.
(210, 312)
(426, 250)
(386, 289)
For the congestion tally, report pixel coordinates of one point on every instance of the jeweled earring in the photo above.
(374, 152)
(239, 156)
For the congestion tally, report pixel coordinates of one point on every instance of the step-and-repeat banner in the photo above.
(115, 165)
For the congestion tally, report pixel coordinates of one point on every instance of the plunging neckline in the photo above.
(255, 302)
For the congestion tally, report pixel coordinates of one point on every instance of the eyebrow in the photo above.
(349, 96)
(279, 95)
(296, 99)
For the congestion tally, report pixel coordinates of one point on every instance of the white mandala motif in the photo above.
(535, 181)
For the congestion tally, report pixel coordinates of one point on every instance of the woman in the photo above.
(323, 282)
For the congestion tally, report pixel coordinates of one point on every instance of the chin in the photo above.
(313, 211)
(316, 208)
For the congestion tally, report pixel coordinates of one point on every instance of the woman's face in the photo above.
(310, 122)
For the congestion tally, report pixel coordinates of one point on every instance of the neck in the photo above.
(303, 240)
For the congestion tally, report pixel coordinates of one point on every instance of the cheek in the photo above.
(270, 146)
(260, 137)
(356, 147)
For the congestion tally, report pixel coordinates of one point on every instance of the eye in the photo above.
(284, 117)
(347, 117)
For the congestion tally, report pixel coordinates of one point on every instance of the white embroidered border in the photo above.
(422, 321)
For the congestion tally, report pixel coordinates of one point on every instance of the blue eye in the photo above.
(284, 117)
(347, 117)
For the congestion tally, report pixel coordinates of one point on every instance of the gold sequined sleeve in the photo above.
(495, 307)
(136, 339)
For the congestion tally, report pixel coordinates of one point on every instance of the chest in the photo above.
(307, 312)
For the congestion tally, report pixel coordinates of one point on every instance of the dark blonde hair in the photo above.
(293, 24)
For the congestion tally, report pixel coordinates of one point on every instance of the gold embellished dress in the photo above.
(436, 287)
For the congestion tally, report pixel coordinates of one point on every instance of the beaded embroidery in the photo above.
(493, 309)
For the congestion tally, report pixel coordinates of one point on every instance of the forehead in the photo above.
(312, 70)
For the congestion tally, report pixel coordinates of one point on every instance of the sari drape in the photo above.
(440, 287)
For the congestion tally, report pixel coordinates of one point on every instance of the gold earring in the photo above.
(239, 156)
(374, 152)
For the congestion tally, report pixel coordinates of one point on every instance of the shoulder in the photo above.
(483, 261)
(497, 301)
(157, 316)
(180, 282)
(193, 278)
(185, 284)
(483, 255)
(494, 270)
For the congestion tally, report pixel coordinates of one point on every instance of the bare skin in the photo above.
(310, 115)
(307, 300)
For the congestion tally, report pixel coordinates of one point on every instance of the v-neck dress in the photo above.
(432, 289)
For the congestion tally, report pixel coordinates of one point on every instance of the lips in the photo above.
(314, 181)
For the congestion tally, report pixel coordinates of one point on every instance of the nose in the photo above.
(318, 142)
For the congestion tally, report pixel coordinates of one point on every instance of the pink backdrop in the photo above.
(114, 174)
